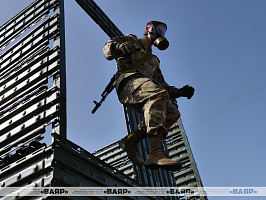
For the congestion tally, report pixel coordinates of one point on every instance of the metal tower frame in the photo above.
(33, 97)
(176, 144)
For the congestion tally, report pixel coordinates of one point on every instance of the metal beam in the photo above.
(96, 13)
(131, 117)
(60, 127)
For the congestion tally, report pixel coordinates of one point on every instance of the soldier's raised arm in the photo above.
(118, 47)
(109, 51)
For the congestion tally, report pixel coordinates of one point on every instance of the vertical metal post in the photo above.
(60, 80)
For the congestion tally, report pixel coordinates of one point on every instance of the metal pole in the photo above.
(60, 80)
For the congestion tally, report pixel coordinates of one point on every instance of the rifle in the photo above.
(108, 89)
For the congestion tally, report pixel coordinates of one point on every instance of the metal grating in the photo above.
(32, 73)
(32, 96)
(24, 20)
(178, 148)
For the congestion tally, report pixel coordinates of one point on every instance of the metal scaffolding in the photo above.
(116, 157)
(33, 98)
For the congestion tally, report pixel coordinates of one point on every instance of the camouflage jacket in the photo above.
(140, 62)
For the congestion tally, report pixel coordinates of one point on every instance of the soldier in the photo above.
(141, 87)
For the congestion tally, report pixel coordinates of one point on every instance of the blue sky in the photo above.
(217, 46)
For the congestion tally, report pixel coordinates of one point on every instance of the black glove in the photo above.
(125, 49)
(186, 91)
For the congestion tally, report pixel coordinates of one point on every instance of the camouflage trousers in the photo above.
(152, 101)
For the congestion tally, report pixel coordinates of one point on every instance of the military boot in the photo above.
(129, 144)
(157, 157)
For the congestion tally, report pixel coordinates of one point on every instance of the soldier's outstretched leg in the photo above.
(157, 157)
(129, 144)
(151, 100)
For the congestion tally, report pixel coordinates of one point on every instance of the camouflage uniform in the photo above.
(140, 85)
